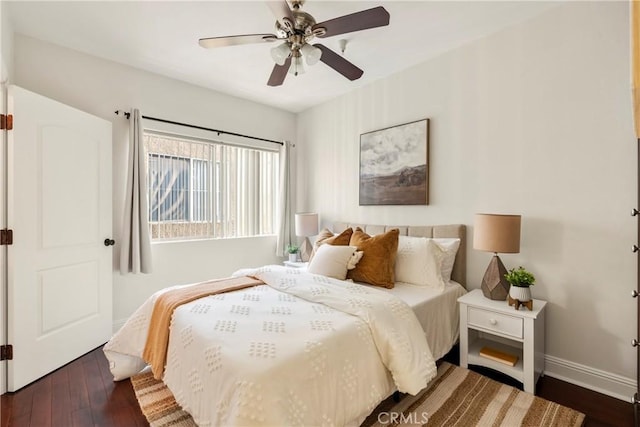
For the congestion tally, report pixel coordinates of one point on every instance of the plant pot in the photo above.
(521, 293)
(293, 257)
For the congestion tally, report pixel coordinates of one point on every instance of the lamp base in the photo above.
(305, 250)
(494, 285)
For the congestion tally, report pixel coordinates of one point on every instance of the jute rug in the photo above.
(456, 397)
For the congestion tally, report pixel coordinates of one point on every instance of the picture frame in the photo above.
(394, 165)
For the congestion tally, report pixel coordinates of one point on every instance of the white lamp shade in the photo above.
(280, 53)
(297, 66)
(497, 233)
(311, 53)
(306, 224)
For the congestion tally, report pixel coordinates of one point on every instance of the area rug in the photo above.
(456, 397)
(158, 404)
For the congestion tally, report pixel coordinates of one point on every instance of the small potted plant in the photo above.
(520, 280)
(292, 250)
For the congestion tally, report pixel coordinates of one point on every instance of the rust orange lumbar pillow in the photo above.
(326, 237)
(378, 262)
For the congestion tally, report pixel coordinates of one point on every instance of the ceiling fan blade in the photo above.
(338, 63)
(370, 18)
(280, 9)
(212, 42)
(279, 73)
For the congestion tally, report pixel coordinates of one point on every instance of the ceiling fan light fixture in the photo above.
(311, 53)
(279, 54)
(297, 65)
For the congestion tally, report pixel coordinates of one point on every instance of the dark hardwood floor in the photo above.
(83, 394)
(80, 394)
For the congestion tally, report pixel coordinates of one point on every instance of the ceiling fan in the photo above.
(296, 29)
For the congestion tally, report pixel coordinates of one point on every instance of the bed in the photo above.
(300, 348)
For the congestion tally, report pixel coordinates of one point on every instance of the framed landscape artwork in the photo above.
(394, 165)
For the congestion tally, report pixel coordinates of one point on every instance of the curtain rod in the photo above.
(126, 114)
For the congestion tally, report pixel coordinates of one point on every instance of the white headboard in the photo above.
(459, 231)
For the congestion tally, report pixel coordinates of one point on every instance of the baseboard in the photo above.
(613, 385)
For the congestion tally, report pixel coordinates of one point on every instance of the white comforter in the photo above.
(302, 350)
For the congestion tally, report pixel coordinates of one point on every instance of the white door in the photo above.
(3, 249)
(59, 208)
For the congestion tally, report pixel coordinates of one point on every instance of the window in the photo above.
(202, 189)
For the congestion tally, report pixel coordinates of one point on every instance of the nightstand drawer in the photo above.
(492, 321)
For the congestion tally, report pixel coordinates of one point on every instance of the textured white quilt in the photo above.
(303, 349)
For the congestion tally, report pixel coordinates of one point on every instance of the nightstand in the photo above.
(494, 324)
(295, 264)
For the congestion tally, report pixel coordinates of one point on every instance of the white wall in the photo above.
(535, 120)
(100, 87)
(6, 44)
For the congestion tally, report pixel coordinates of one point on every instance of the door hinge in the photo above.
(6, 237)
(6, 352)
(6, 122)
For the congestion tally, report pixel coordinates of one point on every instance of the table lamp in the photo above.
(306, 225)
(498, 234)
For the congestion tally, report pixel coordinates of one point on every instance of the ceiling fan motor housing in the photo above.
(301, 30)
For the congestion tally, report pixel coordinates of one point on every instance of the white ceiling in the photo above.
(162, 37)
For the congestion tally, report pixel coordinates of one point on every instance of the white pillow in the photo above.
(450, 248)
(334, 261)
(418, 262)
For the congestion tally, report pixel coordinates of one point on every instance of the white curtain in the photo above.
(135, 249)
(285, 212)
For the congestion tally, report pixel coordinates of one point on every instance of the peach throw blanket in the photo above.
(155, 349)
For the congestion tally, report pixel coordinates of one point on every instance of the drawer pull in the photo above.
(493, 321)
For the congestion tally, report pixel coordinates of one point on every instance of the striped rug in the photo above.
(158, 404)
(456, 397)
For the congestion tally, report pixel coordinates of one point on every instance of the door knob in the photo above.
(109, 242)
